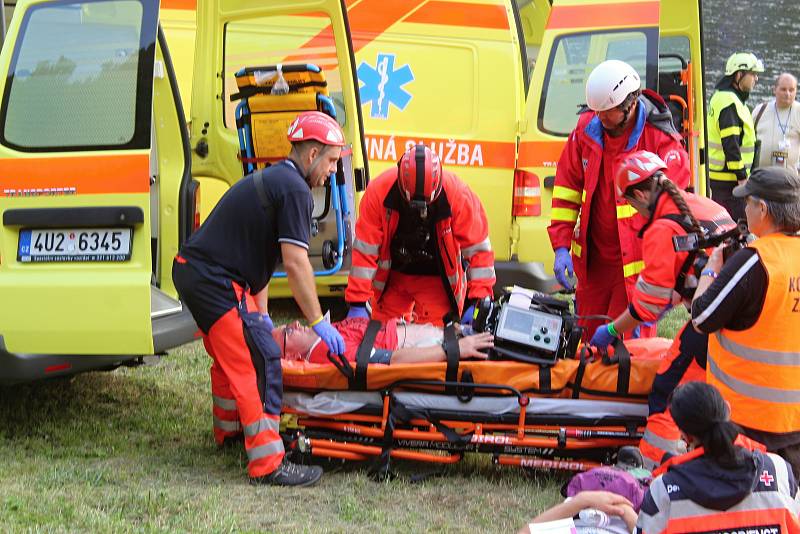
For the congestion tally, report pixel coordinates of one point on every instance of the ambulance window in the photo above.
(81, 77)
(572, 59)
(290, 41)
(670, 49)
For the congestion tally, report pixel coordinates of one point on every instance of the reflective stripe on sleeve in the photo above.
(762, 393)
(564, 214)
(480, 273)
(262, 424)
(385, 264)
(366, 248)
(483, 246)
(747, 149)
(624, 211)
(632, 268)
(377, 284)
(565, 193)
(714, 146)
(666, 445)
(368, 273)
(225, 404)
(653, 290)
(729, 131)
(273, 447)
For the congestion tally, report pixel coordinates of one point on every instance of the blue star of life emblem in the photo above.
(383, 85)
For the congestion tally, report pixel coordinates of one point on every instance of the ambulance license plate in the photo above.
(75, 245)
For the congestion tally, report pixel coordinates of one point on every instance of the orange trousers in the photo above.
(415, 298)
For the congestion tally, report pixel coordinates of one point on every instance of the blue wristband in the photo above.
(709, 272)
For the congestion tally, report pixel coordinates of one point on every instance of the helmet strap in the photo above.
(418, 201)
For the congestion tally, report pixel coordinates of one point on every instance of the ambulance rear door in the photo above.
(235, 35)
(75, 136)
(579, 35)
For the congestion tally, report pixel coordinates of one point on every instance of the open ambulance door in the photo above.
(577, 37)
(239, 123)
(76, 247)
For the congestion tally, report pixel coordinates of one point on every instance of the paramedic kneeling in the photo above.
(669, 212)
(750, 306)
(721, 486)
(221, 274)
(421, 247)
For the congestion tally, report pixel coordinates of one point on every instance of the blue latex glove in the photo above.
(330, 336)
(469, 315)
(602, 338)
(563, 263)
(268, 321)
(357, 311)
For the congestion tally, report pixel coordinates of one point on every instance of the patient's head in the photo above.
(294, 340)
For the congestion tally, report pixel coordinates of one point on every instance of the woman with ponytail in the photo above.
(667, 278)
(724, 484)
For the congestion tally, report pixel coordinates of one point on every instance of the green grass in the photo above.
(132, 451)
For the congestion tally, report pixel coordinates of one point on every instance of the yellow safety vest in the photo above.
(757, 370)
(718, 167)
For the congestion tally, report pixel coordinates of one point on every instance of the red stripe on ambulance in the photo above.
(600, 15)
(461, 14)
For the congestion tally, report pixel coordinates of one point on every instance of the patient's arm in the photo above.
(469, 347)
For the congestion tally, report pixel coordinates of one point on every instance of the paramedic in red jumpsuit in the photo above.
(593, 234)
(667, 277)
(421, 247)
(222, 273)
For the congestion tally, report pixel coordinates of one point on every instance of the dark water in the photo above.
(770, 29)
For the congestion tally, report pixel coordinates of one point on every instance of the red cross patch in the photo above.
(766, 478)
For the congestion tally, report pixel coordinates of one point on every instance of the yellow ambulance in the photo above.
(494, 87)
(96, 167)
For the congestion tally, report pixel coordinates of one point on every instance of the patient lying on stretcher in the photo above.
(396, 342)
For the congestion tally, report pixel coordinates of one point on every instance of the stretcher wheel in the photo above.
(329, 254)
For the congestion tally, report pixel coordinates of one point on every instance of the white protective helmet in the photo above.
(610, 83)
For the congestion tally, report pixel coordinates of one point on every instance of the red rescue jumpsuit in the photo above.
(600, 230)
(653, 294)
(466, 260)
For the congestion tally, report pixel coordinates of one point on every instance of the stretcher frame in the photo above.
(529, 441)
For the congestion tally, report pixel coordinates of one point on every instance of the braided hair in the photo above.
(660, 180)
(700, 412)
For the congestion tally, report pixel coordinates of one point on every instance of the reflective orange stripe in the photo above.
(369, 18)
(540, 153)
(461, 14)
(179, 4)
(88, 175)
(468, 153)
(599, 15)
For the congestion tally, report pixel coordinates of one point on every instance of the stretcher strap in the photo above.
(363, 354)
(623, 359)
(452, 353)
(576, 388)
(545, 378)
(251, 90)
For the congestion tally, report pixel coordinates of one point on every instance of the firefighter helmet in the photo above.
(635, 168)
(317, 126)
(743, 61)
(610, 83)
(419, 175)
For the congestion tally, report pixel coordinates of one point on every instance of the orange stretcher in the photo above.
(573, 415)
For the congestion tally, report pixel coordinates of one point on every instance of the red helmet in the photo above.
(419, 174)
(317, 126)
(635, 168)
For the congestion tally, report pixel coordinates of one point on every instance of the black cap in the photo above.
(777, 184)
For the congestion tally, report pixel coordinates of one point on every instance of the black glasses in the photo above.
(286, 331)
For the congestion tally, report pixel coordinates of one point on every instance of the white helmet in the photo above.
(610, 83)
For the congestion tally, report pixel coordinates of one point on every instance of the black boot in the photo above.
(291, 474)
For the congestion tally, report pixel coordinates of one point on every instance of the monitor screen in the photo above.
(519, 321)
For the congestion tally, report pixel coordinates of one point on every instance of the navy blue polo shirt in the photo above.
(241, 237)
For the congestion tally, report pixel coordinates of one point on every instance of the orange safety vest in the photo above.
(757, 370)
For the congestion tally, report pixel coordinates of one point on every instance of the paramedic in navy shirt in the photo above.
(222, 273)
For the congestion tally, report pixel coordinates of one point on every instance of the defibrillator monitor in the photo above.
(530, 327)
